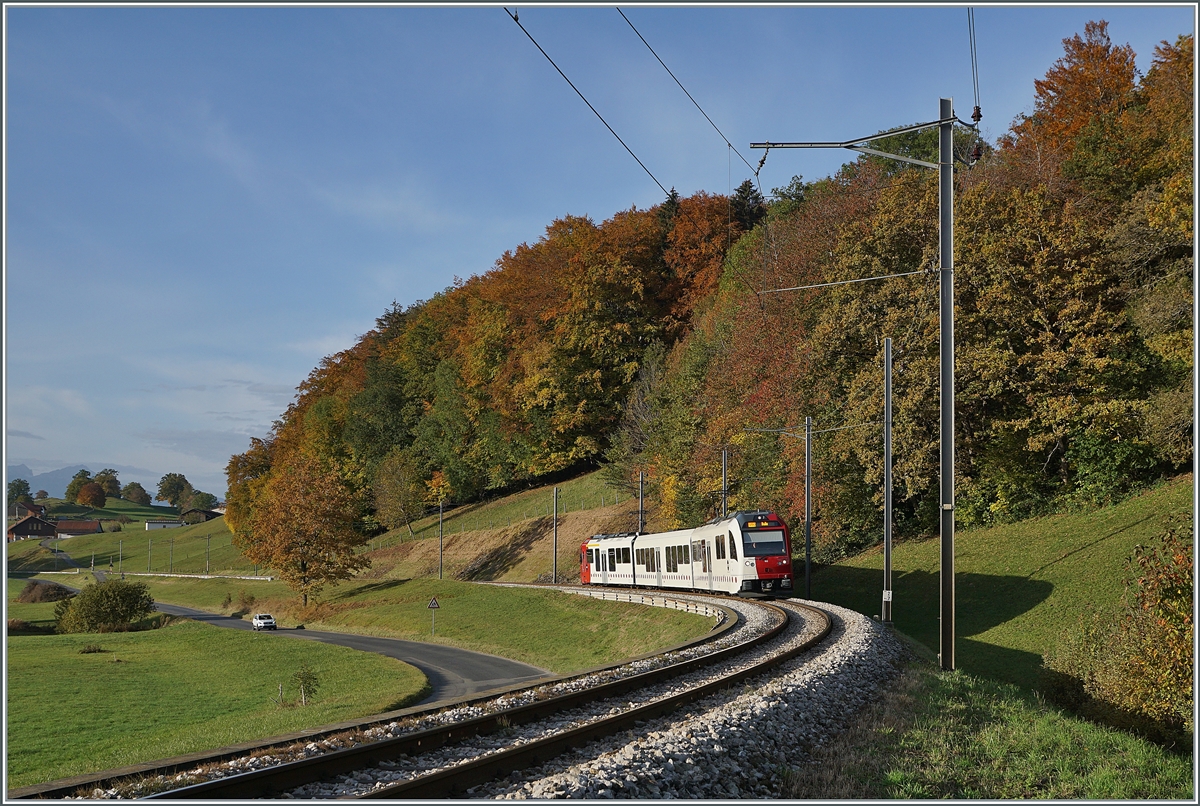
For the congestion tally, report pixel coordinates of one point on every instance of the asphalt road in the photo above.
(452, 672)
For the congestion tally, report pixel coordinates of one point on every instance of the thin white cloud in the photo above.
(12, 432)
(48, 400)
(207, 445)
(390, 208)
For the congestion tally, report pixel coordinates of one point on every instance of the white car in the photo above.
(263, 621)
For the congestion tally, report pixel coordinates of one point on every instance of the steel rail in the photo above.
(454, 781)
(272, 780)
(83, 785)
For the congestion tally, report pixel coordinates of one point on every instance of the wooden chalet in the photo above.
(31, 526)
(21, 510)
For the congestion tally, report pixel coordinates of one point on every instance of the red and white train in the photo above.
(742, 553)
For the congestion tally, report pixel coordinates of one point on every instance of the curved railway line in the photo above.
(474, 751)
(623, 696)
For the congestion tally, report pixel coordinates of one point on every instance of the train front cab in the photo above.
(767, 553)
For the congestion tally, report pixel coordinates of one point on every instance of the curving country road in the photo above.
(453, 673)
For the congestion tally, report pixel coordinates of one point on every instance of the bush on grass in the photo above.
(106, 606)
(35, 592)
(1134, 670)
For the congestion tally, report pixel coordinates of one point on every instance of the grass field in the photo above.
(195, 549)
(183, 688)
(938, 735)
(1019, 587)
(40, 614)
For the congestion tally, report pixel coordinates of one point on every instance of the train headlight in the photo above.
(786, 583)
(749, 563)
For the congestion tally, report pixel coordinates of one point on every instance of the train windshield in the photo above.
(763, 544)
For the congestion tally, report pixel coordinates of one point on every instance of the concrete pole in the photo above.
(121, 557)
(207, 554)
(554, 574)
(724, 480)
(149, 547)
(641, 501)
(887, 482)
(946, 344)
(808, 507)
(441, 505)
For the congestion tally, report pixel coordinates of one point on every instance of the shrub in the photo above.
(1134, 670)
(227, 602)
(103, 607)
(308, 682)
(91, 649)
(17, 625)
(123, 519)
(245, 601)
(35, 592)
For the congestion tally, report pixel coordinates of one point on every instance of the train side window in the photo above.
(686, 558)
(732, 550)
(612, 559)
(720, 547)
(626, 553)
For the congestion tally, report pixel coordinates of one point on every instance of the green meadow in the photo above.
(183, 688)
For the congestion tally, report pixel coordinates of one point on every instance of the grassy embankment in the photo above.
(175, 690)
(984, 731)
(113, 508)
(584, 492)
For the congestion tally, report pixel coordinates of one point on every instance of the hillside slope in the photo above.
(1019, 587)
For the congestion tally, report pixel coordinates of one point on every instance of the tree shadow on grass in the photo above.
(982, 601)
(504, 558)
(371, 587)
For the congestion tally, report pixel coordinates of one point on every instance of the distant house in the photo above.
(31, 526)
(74, 528)
(20, 510)
(162, 524)
(198, 515)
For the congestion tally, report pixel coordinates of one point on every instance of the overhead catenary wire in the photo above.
(976, 115)
(795, 430)
(586, 101)
(845, 282)
(688, 94)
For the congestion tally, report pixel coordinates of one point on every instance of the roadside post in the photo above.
(433, 608)
(554, 574)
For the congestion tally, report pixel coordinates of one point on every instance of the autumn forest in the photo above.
(644, 342)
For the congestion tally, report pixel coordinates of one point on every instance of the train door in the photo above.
(603, 567)
(658, 566)
(708, 562)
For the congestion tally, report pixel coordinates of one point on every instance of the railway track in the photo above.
(474, 751)
(149, 777)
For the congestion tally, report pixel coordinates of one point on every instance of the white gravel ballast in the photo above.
(734, 744)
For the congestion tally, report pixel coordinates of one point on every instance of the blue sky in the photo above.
(201, 202)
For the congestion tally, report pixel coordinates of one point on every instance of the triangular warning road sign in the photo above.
(433, 605)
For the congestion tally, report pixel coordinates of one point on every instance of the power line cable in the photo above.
(846, 282)
(688, 94)
(585, 100)
(976, 115)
